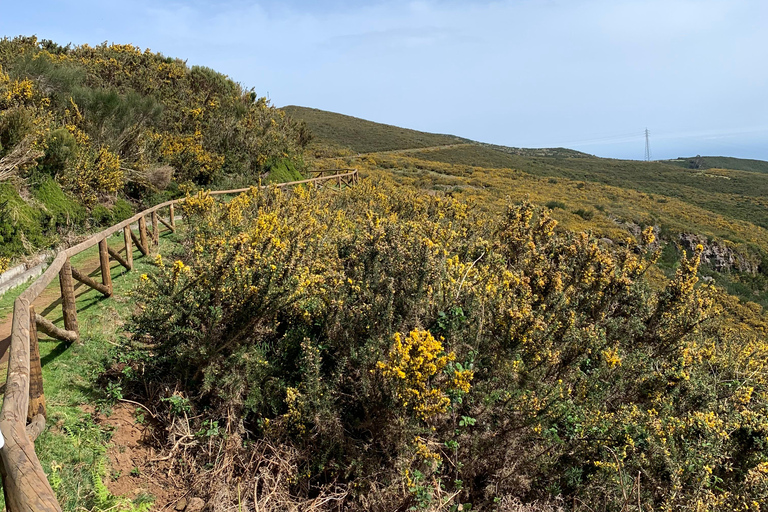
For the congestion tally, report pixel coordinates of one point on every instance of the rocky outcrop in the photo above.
(719, 256)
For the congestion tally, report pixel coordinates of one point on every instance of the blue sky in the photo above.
(586, 74)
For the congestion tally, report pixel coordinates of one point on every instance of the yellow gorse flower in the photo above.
(413, 365)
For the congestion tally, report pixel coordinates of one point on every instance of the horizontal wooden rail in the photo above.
(25, 485)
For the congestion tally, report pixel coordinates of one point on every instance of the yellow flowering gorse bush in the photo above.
(413, 335)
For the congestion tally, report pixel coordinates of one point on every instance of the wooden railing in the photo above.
(22, 417)
(321, 173)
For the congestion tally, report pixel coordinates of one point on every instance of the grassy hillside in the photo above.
(736, 188)
(720, 162)
(429, 339)
(363, 136)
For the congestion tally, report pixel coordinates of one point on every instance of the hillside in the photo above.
(468, 327)
(720, 162)
(361, 136)
(89, 133)
(723, 208)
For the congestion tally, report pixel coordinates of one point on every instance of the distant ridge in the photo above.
(365, 136)
(720, 162)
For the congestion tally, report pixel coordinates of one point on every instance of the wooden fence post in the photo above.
(143, 233)
(173, 217)
(155, 229)
(106, 275)
(116, 256)
(68, 304)
(128, 247)
(36, 393)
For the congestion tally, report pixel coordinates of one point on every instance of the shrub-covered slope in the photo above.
(82, 127)
(385, 348)
(720, 162)
(723, 209)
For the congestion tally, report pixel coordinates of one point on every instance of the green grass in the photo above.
(72, 449)
(9, 297)
(59, 209)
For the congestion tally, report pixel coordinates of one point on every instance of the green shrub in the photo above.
(122, 210)
(101, 216)
(60, 209)
(584, 214)
(282, 171)
(555, 204)
(60, 149)
(20, 224)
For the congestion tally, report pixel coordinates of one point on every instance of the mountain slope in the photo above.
(365, 136)
(720, 162)
(721, 208)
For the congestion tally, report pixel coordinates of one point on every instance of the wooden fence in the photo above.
(22, 418)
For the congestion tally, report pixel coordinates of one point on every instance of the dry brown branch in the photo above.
(23, 154)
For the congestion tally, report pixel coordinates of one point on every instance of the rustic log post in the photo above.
(166, 224)
(25, 485)
(116, 256)
(86, 280)
(128, 247)
(47, 327)
(68, 304)
(338, 180)
(173, 217)
(155, 229)
(36, 393)
(106, 272)
(143, 234)
(142, 248)
(36, 427)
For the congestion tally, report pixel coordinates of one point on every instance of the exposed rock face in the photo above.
(718, 256)
(637, 231)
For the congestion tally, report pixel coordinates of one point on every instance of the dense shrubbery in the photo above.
(106, 121)
(393, 349)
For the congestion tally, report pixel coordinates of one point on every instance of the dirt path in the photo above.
(135, 467)
(48, 302)
(419, 150)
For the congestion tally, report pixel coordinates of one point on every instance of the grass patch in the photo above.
(72, 449)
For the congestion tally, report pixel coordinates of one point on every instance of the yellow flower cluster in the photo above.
(612, 357)
(295, 402)
(199, 204)
(413, 366)
(93, 173)
(188, 156)
(424, 453)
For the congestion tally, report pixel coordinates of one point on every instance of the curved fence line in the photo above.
(22, 417)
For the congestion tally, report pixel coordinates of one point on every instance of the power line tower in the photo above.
(647, 146)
